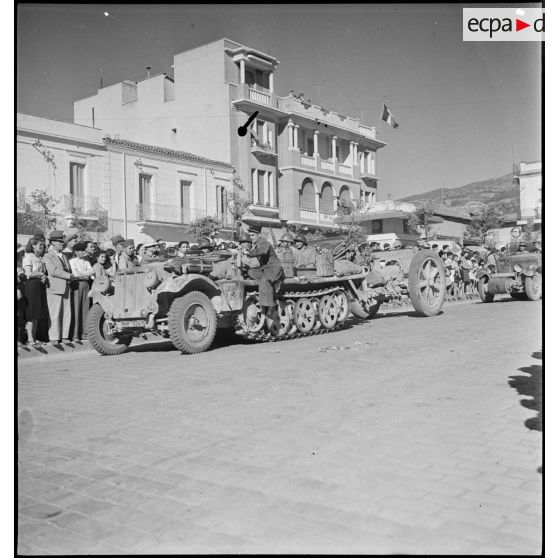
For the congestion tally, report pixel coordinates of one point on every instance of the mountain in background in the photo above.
(500, 192)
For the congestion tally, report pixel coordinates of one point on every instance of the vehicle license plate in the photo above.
(131, 323)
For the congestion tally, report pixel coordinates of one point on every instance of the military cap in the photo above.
(244, 237)
(300, 238)
(287, 238)
(254, 229)
(71, 237)
(128, 242)
(397, 244)
(56, 236)
(117, 239)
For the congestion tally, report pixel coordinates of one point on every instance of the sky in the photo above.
(466, 110)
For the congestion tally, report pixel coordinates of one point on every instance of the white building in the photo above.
(529, 180)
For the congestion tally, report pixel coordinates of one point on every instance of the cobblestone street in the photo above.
(397, 435)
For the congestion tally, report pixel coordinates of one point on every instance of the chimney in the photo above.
(148, 71)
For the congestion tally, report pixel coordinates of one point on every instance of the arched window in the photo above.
(307, 197)
(345, 196)
(326, 199)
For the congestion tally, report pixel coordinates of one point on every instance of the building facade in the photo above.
(141, 191)
(297, 161)
(529, 180)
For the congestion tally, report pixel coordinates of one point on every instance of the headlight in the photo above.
(517, 268)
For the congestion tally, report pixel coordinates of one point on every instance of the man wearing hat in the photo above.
(522, 247)
(118, 243)
(58, 289)
(304, 255)
(270, 271)
(127, 259)
(82, 270)
(71, 241)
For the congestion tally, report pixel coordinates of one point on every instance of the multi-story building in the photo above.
(141, 191)
(298, 159)
(529, 180)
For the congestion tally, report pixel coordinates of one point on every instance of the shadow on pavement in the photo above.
(531, 386)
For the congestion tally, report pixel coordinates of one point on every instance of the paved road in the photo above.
(398, 435)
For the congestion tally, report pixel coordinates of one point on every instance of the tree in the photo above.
(204, 226)
(483, 221)
(419, 222)
(237, 202)
(347, 219)
(39, 214)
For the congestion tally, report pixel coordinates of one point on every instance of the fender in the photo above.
(104, 300)
(483, 272)
(193, 282)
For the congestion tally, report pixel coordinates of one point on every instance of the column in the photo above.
(291, 135)
(264, 132)
(334, 148)
(316, 133)
(271, 82)
(266, 188)
(272, 193)
(242, 72)
(317, 207)
(351, 151)
(362, 162)
(369, 161)
(255, 186)
(296, 137)
(355, 153)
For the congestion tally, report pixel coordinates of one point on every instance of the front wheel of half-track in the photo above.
(192, 323)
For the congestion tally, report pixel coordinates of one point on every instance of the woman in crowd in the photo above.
(140, 252)
(36, 307)
(104, 265)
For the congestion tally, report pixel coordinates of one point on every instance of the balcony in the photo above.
(259, 147)
(248, 97)
(346, 170)
(160, 213)
(263, 210)
(314, 217)
(84, 207)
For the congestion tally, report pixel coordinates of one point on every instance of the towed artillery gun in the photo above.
(212, 293)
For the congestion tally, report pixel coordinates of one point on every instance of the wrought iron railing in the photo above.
(82, 206)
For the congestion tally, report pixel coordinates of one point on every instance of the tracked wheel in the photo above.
(252, 315)
(343, 306)
(328, 311)
(281, 323)
(304, 315)
(316, 303)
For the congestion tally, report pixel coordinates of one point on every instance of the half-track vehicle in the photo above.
(212, 292)
(518, 274)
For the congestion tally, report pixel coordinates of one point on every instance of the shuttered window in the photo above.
(326, 199)
(307, 196)
(76, 179)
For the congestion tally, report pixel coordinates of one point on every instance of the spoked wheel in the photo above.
(101, 333)
(192, 322)
(343, 305)
(328, 311)
(252, 315)
(280, 323)
(304, 315)
(427, 283)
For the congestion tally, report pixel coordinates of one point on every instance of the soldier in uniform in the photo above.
(118, 243)
(304, 255)
(286, 243)
(127, 258)
(270, 271)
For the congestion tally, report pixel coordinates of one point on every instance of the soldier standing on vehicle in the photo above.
(286, 243)
(270, 271)
(522, 247)
(127, 259)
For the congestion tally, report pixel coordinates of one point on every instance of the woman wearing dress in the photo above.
(36, 307)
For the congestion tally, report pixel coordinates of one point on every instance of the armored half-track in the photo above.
(212, 292)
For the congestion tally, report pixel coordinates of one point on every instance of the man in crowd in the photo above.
(82, 270)
(90, 252)
(270, 271)
(71, 241)
(522, 247)
(303, 255)
(58, 289)
(127, 258)
(537, 249)
(118, 243)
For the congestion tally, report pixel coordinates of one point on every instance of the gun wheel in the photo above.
(427, 283)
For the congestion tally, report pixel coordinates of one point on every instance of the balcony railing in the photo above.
(82, 206)
(367, 131)
(259, 146)
(327, 217)
(307, 161)
(328, 166)
(161, 213)
(345, 169)
(308, 215)
(259, 96)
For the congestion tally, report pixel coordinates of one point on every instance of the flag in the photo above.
(388, 117)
